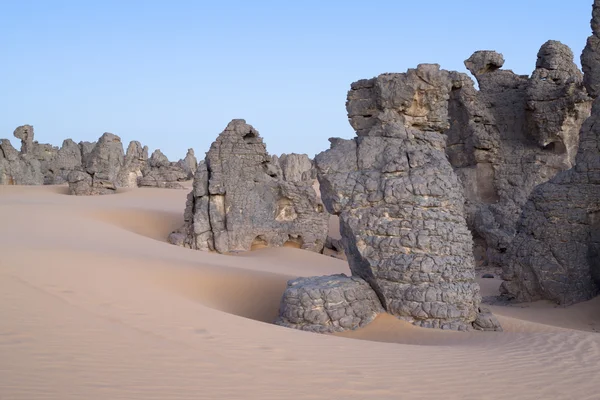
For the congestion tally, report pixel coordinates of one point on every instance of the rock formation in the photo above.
(295, 167)
(134, 165)
(556, 253)
(590, 58)
(189, 164)
(100, 173)
(240, 201)
(17, 169)
(162, 173)
(400, 204)
(66, 159)
(513, 134)
(327, 304)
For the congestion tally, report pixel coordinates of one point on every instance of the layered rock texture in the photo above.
(241, 201)
(513, 134)
(556, 253)
(328, 304)
(400, 204)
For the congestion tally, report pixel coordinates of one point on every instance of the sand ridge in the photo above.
(95, 304)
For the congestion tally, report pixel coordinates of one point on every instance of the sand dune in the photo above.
(94, 304)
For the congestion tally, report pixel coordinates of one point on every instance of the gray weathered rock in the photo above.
(189, 164)
(134, 165)
(295, 167)
(25, 133)
(486, 321)
(162, 173)
(17, 169)
(328, 304)
(239, 201)
(400, 204)
(590, 58)
(67, 159)
(101, 170)
(555, 254)
(86, 150)
(513, 134)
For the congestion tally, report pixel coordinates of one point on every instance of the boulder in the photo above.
(240, 201)
(327, 304)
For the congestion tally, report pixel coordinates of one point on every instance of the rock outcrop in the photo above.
(67, 159)
(162, 173)
(590, 58)
(513, 134)
(400, 204)
(328, 304)
(17, 169)
(100, 173)
(189, 164)
(295, 167)
(134, 165)
(556, 252)
(240, 201)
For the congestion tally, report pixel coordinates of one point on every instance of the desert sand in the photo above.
(94, 304)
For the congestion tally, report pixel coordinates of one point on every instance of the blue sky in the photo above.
(172, 74)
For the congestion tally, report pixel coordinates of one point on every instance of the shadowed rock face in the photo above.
(101, 170)
(399, 201)
(513, 134)
(556, 252)
(239, 200)
(162, 173)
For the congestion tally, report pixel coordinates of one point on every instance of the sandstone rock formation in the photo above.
(25, 133)
(134, 165)
(513, 134)
(295, 167)
(100, 173)
(162, 173)
(400, 204)
(590, 58)
(239, 201)
(189, 164)
(556, 253)
(17, 169)
(328, 304)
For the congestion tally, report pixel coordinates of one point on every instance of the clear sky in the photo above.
(172, 74)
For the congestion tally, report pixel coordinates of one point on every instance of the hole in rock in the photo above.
(556, 147)
(259, 242)
(294, 241)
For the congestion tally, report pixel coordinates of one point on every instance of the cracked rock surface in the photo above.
(240, 201)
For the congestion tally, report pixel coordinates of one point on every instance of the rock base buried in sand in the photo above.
(327, 304)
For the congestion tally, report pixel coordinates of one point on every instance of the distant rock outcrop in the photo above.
(400, 204)
(100, 173)
(162, 173)
(513, 134)
(189, 164)
(240, 200)
(134, 165)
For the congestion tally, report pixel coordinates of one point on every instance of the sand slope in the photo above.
(94, 304)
